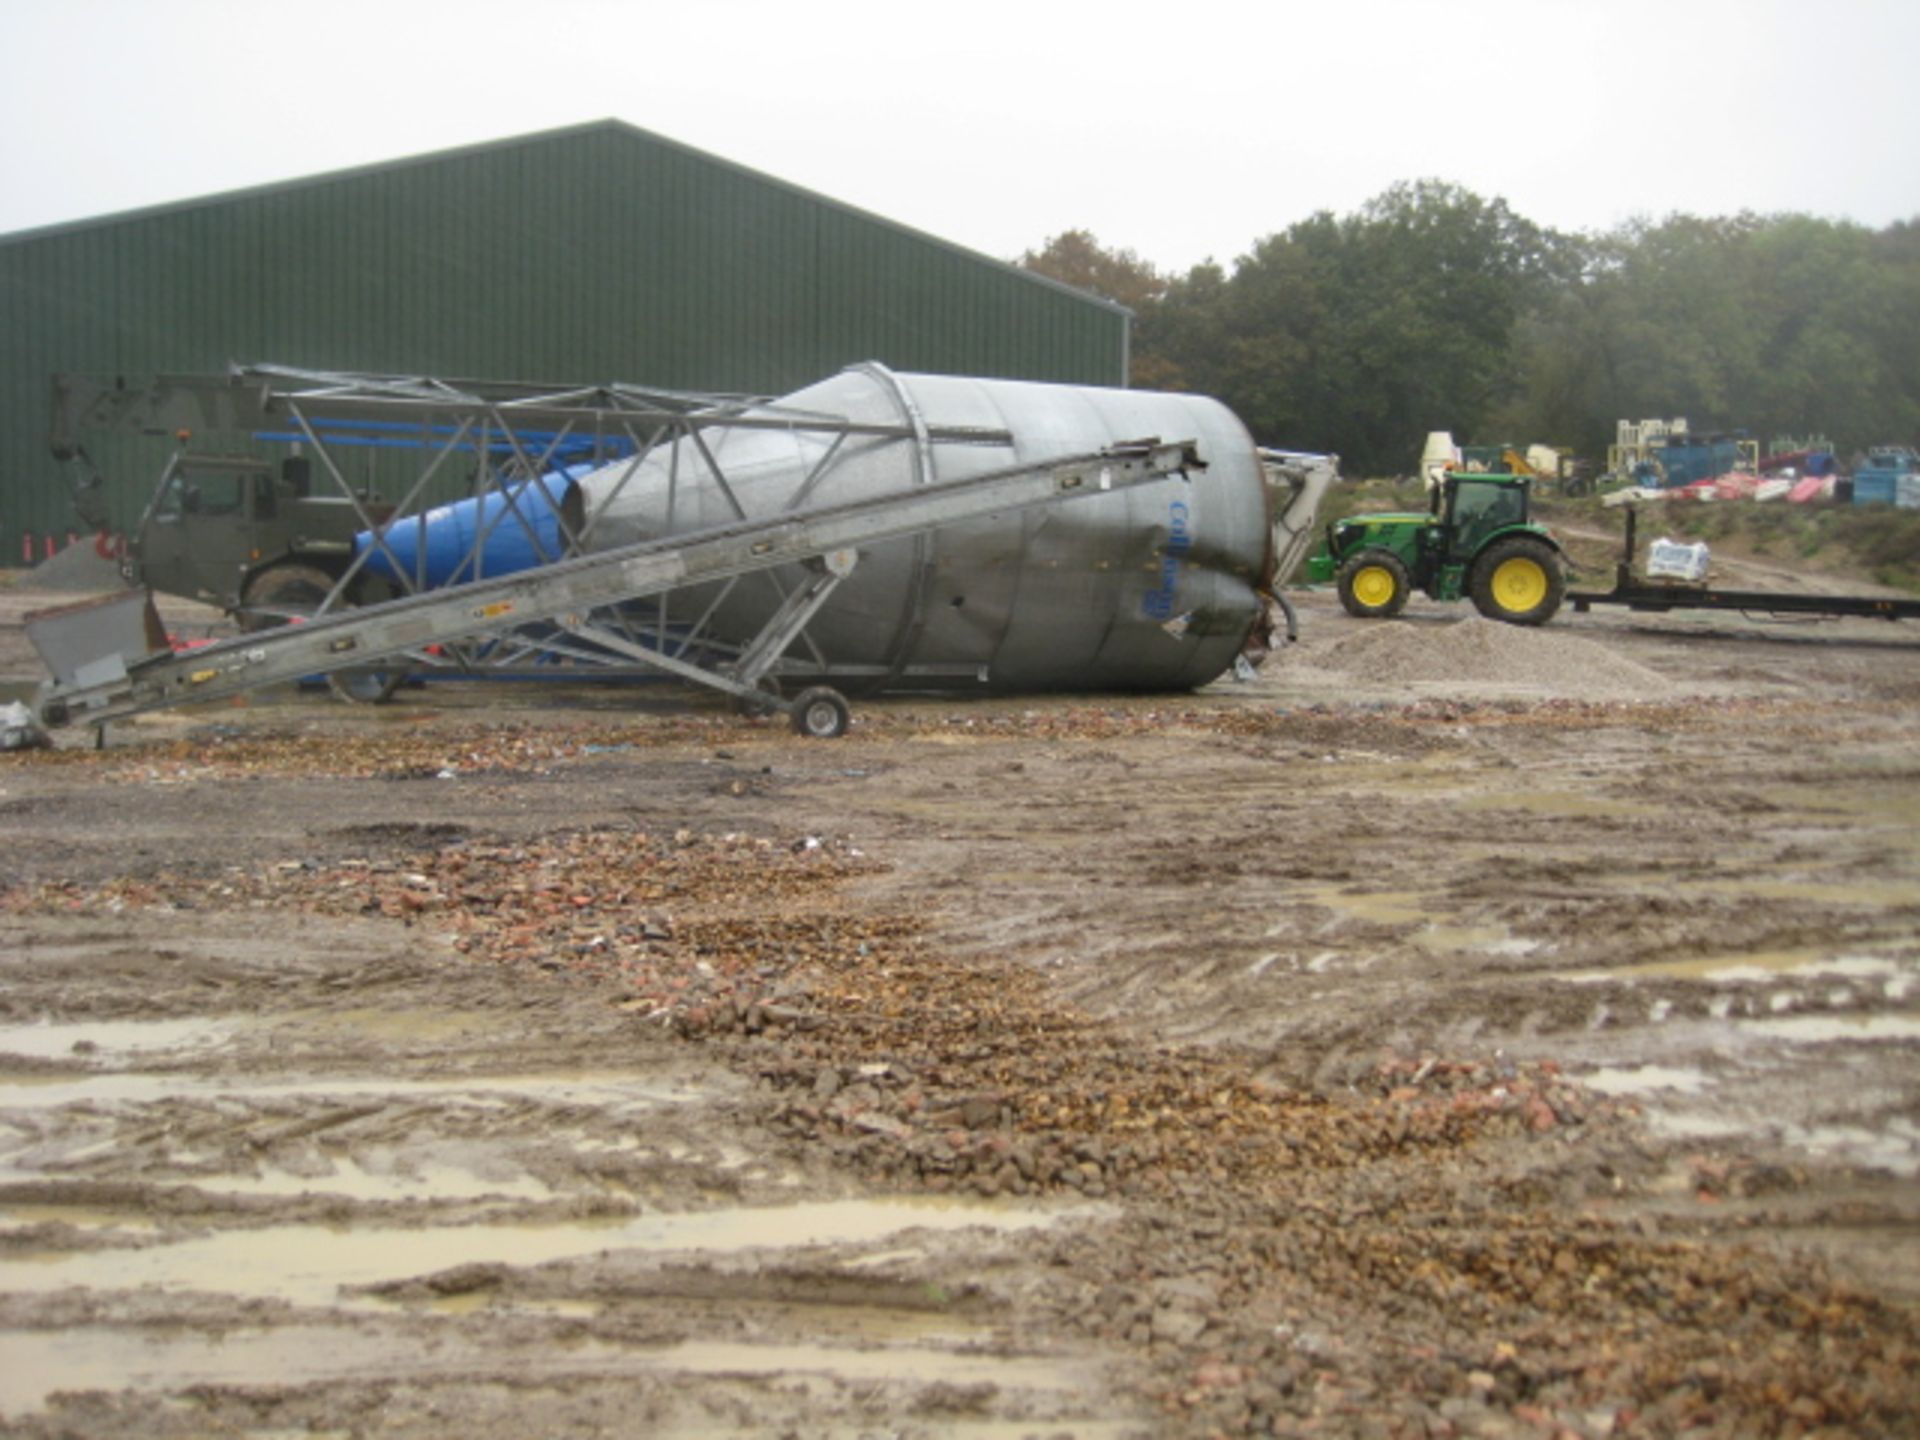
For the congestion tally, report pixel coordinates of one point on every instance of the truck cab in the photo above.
(217, 525)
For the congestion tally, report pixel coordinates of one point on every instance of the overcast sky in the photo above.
(1181, 129)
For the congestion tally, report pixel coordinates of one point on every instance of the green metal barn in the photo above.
(594, 253)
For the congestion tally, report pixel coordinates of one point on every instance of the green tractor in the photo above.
(1476, 542)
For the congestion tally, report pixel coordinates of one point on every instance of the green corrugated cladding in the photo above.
(595, 253)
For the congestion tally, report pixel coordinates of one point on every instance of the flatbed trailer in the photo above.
(1635, 593)
(826, 539)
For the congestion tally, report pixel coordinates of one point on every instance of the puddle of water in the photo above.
(1756, 966)
(611, 1089)
(307, 1264)
(1682, 1126)
(112, 1039)
(1896, 1148)
(1486, 939)
(1829, 1029)
(356, 1182)
(1403, 907)
(1644, 1080)
(1872, 894)
(1386, 907)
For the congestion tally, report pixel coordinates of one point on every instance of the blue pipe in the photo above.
(514, 529)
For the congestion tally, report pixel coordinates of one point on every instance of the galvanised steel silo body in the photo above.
(1156, 588)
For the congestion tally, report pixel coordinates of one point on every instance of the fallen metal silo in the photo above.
(1158, 588)
(872, 531)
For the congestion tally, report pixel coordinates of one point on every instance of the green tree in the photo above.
(1433, 308)
(1359, 334)
(1076, 258)
(1784, 324)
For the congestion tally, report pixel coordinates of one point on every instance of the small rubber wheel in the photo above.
(821, 713)
(1520, 581)
(1374, 585)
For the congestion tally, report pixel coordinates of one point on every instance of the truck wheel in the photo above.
(289, 592)
(1373, 585)
(373, 686)
(1520, 581)
(273, 597)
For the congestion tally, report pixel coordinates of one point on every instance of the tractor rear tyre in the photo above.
(1374, 585)
(290, 592)
(1520, 581)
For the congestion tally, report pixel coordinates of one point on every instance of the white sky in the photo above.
(1182, 129)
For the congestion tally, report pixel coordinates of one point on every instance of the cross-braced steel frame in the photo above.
(520, 435)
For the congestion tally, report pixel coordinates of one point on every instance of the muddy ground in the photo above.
(1456, 1031)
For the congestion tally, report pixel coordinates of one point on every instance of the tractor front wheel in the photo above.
(1374, 585)
(1520, 581)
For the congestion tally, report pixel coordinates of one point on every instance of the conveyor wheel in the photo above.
(821, 713)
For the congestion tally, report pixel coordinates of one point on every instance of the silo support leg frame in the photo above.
(742, 678)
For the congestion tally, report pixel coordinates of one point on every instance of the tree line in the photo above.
(1431, 308)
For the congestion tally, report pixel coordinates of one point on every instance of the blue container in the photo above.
(1875, 487)
(1686, 461)
(517, 529)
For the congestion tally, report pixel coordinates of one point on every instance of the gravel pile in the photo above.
(1488, 652)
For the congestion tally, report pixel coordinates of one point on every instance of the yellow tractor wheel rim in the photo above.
(1373, 586)
(1520, 585)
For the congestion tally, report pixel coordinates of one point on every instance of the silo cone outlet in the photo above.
(1152, 588)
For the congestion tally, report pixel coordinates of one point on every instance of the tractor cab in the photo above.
(1471, 509)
